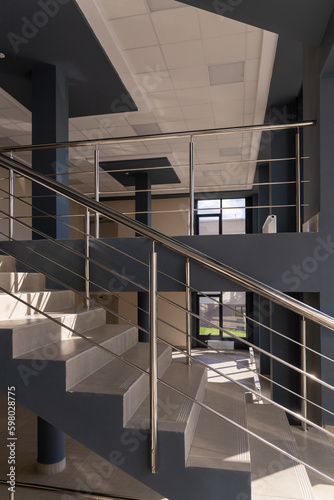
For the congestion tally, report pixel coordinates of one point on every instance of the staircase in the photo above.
(103, 402)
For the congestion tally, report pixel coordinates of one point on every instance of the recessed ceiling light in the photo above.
(227, 73)
(2, 55)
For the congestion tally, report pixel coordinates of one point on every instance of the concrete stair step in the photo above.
(218, 444)
(35, 332)
(274, 474)
(81, 357)
(7, 264)
(175, 413)
(22, 282)
(316, 449)
(52, 300)
(118, 378)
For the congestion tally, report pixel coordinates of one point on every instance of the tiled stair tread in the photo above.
(217, 443)
(116, 377)
(273, 473)
(315, 449)
(269, 422)
(173, 409)
(69, 348)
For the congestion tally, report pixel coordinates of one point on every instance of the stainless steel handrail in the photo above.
(177, 246)
(155, 137)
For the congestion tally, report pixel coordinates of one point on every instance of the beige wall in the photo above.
(174, 316)
(22, 188)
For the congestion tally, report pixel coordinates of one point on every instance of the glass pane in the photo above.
(234, 216)
(234, 209)
(208, 207)
(208, 225)
(234, 308)
(209, 310)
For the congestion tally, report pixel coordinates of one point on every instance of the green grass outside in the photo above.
(215, 332)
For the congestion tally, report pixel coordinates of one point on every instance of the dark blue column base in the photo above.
(51, 448)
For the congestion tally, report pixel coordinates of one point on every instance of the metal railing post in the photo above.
(191, 188)
(298, 183)
(153, 292)
(188, 307)
(304, 377)
(97, 188)
(87, 232)
(11, 495)
(11, 205)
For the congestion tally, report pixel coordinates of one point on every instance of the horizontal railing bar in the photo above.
(128, 192)
(68, 491)
(177, 246)
(180, 210)
(147, 169)
(155, 137)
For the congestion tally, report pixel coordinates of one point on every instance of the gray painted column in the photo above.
(50, 114)
(143, 214)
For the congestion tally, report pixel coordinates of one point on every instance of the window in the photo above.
(223, 310)
(221, 216)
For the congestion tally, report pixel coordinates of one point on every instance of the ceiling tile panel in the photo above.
(134, 32)
(168, 114)
(163, 99)
(189, 77)
(176, 25)
(122, 8)
(254, 44)
(226, 49)
(155, 81)
(146, 59)
(216, 26)
(197, 111)
(226, 93)
(193, 96)
(252, 67)
(181, 55)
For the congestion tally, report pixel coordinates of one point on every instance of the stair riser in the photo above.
(138, 391)
(194, 415)
(38, 336)
(45, 301)
(91, 360)
(21, 282)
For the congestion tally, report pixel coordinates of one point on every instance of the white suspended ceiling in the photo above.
(186, 69)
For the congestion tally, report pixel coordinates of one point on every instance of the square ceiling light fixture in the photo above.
(155, 5)
(226, 73)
